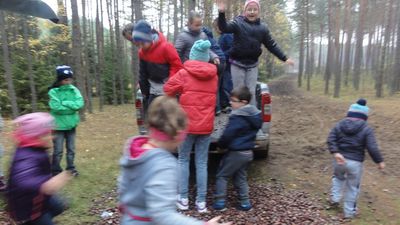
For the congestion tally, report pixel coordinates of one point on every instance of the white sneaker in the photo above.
(182, 204)
(201, 207)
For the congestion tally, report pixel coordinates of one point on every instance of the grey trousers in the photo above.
(346, 181)
(245, 77)
(234, 164)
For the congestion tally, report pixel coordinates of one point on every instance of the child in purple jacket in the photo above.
(31, 188)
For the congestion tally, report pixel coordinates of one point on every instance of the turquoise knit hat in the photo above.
(200, 51)
(359, 110)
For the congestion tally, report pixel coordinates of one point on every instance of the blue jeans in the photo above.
(347, 178)
(201, 144)
(234, 164)
(55, 208)
(58, 142)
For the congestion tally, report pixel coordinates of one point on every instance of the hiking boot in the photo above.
(219, 205)
(201, 207)
(182, 204)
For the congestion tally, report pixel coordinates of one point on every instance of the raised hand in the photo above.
(221, 5)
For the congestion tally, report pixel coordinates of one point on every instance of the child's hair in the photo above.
(242, 93)
(128, 29)
(194, 15)
(166, 115)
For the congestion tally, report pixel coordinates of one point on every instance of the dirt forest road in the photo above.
(298, 155)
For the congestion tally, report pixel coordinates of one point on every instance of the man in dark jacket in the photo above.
(239, 138)
(347, 142)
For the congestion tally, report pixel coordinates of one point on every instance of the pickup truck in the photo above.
(263, 98)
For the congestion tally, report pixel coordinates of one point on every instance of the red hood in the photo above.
(200, 70)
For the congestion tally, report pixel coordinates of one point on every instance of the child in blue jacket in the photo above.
(347, 142)
(239, 138)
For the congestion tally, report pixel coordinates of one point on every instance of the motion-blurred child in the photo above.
(31, 189)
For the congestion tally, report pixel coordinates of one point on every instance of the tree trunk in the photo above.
(120, 57)
(76, 53)
(85, 59)
(395, 86)
(160, 15)
(100, 54)
(192, 5)
(208, 9)
(182, 13)
(176, 28)
(359, 44)
(321, 31)
(301, 57)
(62, 13)
(307, 22)
(112, 45)
(336, 91)
(29, 60)
(330, 54)
(135, 58)
(381, 74)
(7, 67)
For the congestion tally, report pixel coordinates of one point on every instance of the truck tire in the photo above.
(262, 153)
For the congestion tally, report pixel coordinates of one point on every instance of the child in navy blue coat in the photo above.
(239, 138)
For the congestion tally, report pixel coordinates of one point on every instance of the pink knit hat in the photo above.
(257, 2)
(30, 127)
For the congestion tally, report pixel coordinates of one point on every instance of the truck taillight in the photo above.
(140, 122)
(138, 104)
(266, 107)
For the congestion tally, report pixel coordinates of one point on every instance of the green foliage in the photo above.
(49, 46)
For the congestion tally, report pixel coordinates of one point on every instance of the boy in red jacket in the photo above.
(196, 84)
(159, 59)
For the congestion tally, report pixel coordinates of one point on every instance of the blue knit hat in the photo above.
(200, 51)
(142, 32)
(359, 110)
(64, 72)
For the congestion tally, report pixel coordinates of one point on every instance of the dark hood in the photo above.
(350, 126)
(251, 114)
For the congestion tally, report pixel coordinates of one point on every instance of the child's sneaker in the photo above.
(182, 204)
(201, 207)
(244, 206)
(219, 205)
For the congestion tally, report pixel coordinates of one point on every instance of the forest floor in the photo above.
(290, 187)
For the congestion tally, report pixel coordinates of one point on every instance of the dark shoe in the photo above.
(74, 173)
(246, 206)
(219, 205)
(333, 205)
